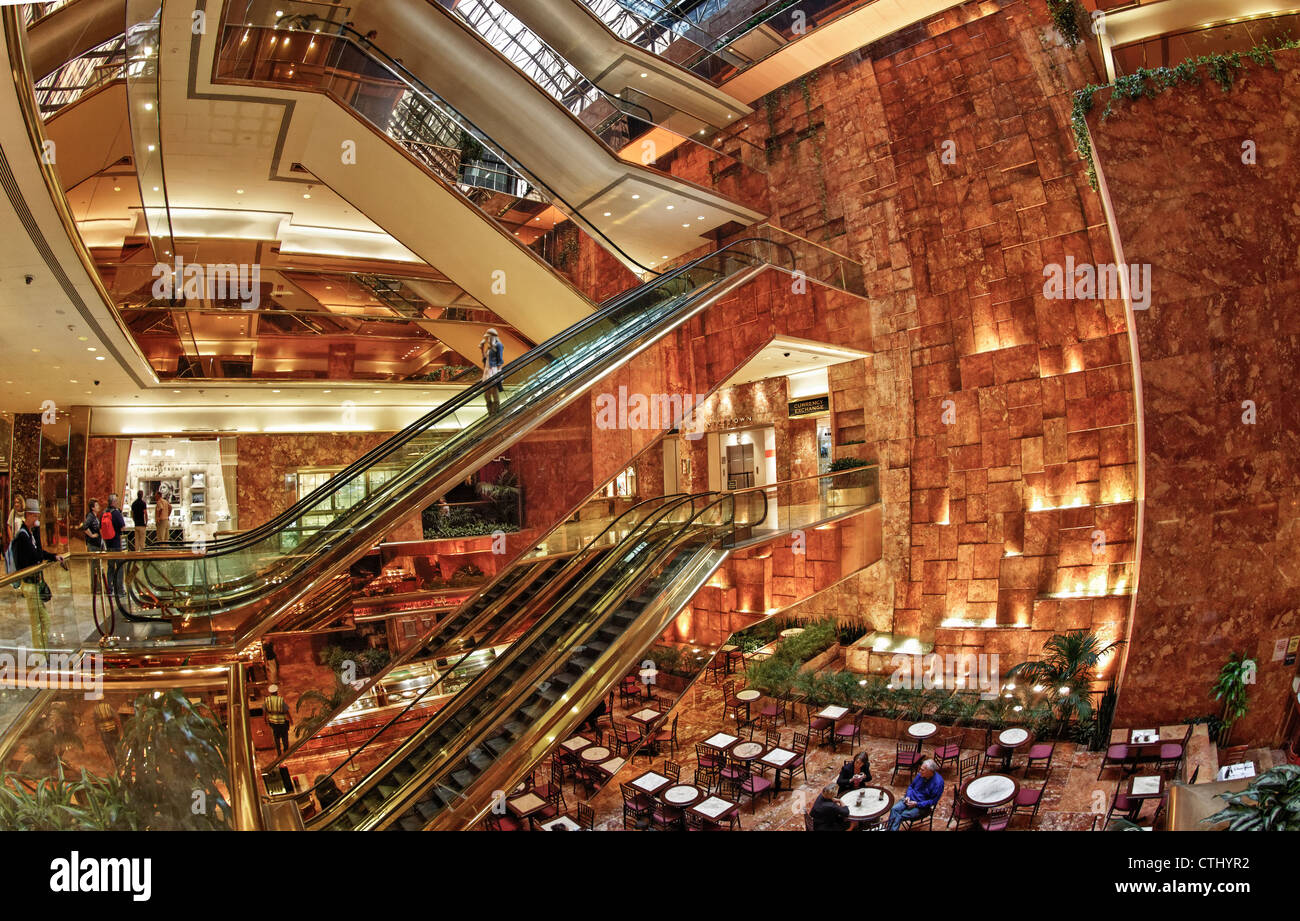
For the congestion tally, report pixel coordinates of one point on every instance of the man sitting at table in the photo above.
(855, 773)
(922, 795)
(828, 813)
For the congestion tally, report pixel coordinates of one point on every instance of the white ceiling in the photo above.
(783, 357)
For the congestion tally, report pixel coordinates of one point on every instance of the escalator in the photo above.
(281, 562)
(444, 775)
(498, 612)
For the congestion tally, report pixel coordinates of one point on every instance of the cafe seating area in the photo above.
(722, 757)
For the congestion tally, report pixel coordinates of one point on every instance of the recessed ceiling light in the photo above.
(374, 391)
(148, 106)
(700, 218)
(82, 338)
(74, 382)
(150, 148)
(275, 391)
(155, 188)
(670, 207)
(606, 214)
(239, 191)
(306, 195)
(324, 391)
(279, 13)
(117, 188)
(99, 358)
(686, 224)
(35, 350)
(91, 348)
(175, 391)
(636, 196)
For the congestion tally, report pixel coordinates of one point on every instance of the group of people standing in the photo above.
(103, 527)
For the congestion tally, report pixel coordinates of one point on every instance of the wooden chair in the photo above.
(717, 667)
(636, 807)
(819, 727)
(948, 750)
(960, 811)
(1116, 755)
(770, 711)
(746, 783)
(586, 817)
(800, 760)
(663, 736)
(907, 756)
(996, 819)
(673, 771)
(967, 767)
(1040, 751)
(993, 752)
(847, 729)
(1121, 803)
(1027, 799)
(629, 689)
(708, 766)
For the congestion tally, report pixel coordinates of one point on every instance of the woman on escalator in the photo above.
(493, 351)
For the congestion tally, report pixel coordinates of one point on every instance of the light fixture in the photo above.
(99, 358)
(155, 188)
(150, 148)
(91, 348)
(239, 191)
(117, 188)
(306, 195)
(643, 75)
(606, 214)
(634, 197)
(148, 106)
(670, 207)
(35, 350)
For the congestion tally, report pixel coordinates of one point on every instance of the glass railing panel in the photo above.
(142, 31)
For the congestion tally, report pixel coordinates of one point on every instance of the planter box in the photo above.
(853, 495)
(822, 659)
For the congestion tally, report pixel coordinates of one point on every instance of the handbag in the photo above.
(43, 589)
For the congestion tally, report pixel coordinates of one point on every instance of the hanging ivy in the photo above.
(1147, 83)
(1066, 16)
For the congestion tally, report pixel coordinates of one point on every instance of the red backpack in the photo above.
(106, 529)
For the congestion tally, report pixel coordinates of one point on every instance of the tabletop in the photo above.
(646, 715)
(1143, 736)
(721, 740)
(612, 765)
(525, 805)
(1013, 737)
(562, 823)
(594, 753)
(867, 802)
(748, 695)
(682, 794)
(990, 790)
(777, 757)
(791, 631)
(922, 730)
(833, 713)
(1145, 786)
(714, 808)
(575, 743)
(747, 751)
(651, 782)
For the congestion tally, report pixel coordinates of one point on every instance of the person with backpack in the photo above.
(90, 527)
(29, 552)
(111, 526)
(493, 351)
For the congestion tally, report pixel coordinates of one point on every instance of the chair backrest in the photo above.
(705, 752)
(967, 767)
(674, 732)
(557, 773)
(630, 794)
(800, 743)
(586, 816)
(772, 739)
(673, 771)
(1234, 755)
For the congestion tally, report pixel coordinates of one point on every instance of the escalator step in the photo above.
(408, 822)
(427, 810)
(463, 778)
(498, 744)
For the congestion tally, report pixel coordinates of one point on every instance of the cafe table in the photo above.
(867, 804)
(731, 652)
(1010, 740)
(575, 744)
(1142, 787)
(748, 696)
(1144, 745)
(747, 751)
(721, 740)
(645, 716)
(560, 823)
(922, 731)
(682, 795)
(989, 791)
(715, 809)
(594, 754)
(526, 805)
(778, 758)
(612, 766)
(832, 713)
(651, 782)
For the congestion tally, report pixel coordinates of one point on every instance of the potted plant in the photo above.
(1065, 673)
(1270, 803)
(853, 488)
(1232, 690)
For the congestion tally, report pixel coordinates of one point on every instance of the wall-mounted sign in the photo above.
(1292, 648)
(810, 406)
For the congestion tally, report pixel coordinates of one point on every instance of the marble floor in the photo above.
(1073, 798)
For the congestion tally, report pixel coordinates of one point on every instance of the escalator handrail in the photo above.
(460, 401)
(486, 677)
(571, 565)
(529, 678)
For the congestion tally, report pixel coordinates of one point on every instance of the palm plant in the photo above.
(1066, 672)
(45, 746)
(1270, 803)
(173, 758)
(320, 704)
(1232, 689)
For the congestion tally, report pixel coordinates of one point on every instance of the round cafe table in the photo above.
(867, 804)
(922, 731)
(746, 751)
(681, 795)
(989, 791)
(594, 754)
(1010, 740)
(748, 696)
(791, 631)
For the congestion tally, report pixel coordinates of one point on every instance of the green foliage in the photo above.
(173, 764)
(848, 463)
(1270, 803)
(1066, 671)
(365, 661)
(1067, 16)
(772, 676)
(87, 803)
(1232, 689)
(319, 704)
(1146, 83)
(669, 659)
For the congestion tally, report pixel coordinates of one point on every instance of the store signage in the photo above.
(810, 406)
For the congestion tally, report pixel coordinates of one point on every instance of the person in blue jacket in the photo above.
(494, 359)
(922, 795)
